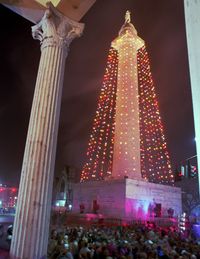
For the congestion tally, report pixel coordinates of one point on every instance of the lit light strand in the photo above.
(155, 161)
(100, 146)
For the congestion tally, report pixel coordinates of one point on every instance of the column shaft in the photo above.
(31, 225)
(126, 158)
(126, 155)
(192, 20)
(34, 201)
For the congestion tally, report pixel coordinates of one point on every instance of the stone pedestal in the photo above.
(126, 198)
(31, 225)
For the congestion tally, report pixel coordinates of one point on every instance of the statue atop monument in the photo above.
(128, 17)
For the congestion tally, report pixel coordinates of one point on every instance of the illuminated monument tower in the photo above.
(126, 155)
(127, 158)
(127, 128)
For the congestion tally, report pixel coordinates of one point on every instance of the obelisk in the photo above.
(31, 226)
(126, 155)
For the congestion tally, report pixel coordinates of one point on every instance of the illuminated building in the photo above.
(127, 138)
(8, 197)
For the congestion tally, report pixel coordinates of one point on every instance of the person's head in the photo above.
(63, 251)
(53, 234)
(142, 255)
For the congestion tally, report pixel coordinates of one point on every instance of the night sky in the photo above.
(160, 23)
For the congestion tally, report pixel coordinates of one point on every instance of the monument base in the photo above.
(127, 198)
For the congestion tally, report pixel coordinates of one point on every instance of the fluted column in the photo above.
(31, 226)
(192, 22)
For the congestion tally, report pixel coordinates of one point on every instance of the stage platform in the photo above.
(126, 199)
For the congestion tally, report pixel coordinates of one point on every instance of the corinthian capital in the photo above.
(55, 29)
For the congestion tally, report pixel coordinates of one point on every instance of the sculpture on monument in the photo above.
(128, 17)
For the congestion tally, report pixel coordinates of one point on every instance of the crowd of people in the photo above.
(128, 242)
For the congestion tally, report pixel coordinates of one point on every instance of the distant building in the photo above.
(186, 177)
(63, 190)
(190, 194)
(8, 197)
